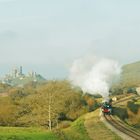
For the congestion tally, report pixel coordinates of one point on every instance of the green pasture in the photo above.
(16, 133)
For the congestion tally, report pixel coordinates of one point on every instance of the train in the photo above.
(106, 107)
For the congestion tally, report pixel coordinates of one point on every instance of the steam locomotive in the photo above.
(106, 107)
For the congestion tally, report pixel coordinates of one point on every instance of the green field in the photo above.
(131, 74)
(15, 133)
(76, 131)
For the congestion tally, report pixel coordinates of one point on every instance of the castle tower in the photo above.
(20, 70)
(14, 73)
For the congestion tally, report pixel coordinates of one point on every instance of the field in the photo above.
(15, 133)
(74, 132)
(86, 127)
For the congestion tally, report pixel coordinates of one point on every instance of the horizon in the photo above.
(27, 71)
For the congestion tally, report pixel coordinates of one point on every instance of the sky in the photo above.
(48, 35)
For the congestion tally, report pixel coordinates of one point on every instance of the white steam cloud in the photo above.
(94, 75)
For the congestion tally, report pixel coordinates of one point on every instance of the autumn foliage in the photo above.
(34, 105)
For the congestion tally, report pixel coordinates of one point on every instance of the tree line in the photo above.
(44, 104)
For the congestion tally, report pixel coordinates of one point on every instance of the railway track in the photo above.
(119, 126)
(122, 100)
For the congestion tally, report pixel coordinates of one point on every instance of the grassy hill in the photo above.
(25, 80)
(86, 127)
(131, 74)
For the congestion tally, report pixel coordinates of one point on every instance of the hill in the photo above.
(130, 76)
(21, 81)
(16, 77)
(129, 79)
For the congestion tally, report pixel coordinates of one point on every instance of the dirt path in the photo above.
(97, 129)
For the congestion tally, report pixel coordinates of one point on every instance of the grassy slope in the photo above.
(85, 128)
(131, 74)
(137, 102)
(77, 131)
(133, 119)
(13, 133)
(96, 128)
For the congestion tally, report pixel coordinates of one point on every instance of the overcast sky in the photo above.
(47, 35)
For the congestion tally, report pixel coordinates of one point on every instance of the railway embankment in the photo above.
(116, 129)
(115, 123)
(96, 128)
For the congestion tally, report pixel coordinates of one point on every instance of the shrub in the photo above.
(120, 112)
(64, 124)
(132, 90)
(133, 107)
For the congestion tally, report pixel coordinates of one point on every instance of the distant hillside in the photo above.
(4, 87)
(21, 81)
(131, 74)
(16, 77)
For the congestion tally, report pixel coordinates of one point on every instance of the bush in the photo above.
(97, 96)
(93, 107)
(120, 112)
(132, 90)
(64, 124)
(133, 107)
(62, 116)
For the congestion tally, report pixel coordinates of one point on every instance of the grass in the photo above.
(76, 131)
(96, 128)
(122, 111)
(86, 127)
(15, 133)
(137, 102)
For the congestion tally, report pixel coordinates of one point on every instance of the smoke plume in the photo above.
(94, 75)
